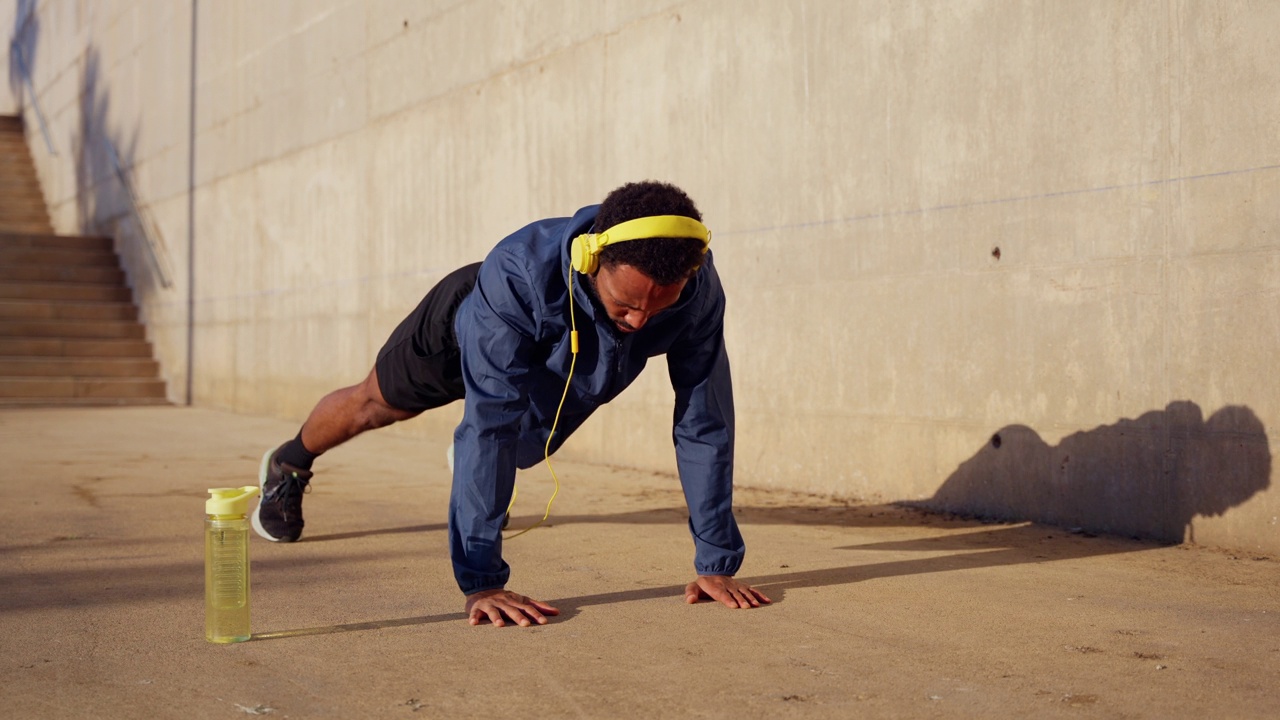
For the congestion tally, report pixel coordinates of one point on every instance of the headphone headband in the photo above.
(585, 252)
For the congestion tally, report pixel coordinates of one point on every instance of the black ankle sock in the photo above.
(296, 454)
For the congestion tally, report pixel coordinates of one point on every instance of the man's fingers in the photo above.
(502, 607)
(524, 613)
(724, 596)
(753, 596)
(487, 611)
(692, 592)
(543, 607)
(726, 590)
(526, 609)
(537, 609)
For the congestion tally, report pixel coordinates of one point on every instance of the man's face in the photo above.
(631, 298)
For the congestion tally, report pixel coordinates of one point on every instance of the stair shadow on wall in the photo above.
(25, 40)
(103, 202)
(1147, 477)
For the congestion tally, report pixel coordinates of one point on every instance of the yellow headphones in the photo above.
(584, 255)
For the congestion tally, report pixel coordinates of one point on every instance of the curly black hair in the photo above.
(665, 260)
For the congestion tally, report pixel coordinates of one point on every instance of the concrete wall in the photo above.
(1009, 258)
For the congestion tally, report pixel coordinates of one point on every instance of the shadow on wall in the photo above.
(22, 47)
(99, 198)
(1146, 478)
(103, 202)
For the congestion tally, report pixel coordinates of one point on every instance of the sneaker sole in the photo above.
(262, 485)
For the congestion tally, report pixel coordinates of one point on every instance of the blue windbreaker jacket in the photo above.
(513, 331)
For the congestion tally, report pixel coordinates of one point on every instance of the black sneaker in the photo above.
(278, 516)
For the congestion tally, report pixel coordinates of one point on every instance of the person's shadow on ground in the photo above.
(1144, 478)
(1148, 477)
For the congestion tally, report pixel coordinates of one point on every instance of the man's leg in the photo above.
(285, 473)
(420, 368)
(344, 414)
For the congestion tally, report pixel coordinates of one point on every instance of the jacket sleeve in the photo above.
(496, 327)
(703, 433)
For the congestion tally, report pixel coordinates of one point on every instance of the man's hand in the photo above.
(725, 589)
(495, 605)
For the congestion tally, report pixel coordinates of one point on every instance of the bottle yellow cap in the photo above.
(229, 501)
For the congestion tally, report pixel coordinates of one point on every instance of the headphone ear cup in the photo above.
(582, 254)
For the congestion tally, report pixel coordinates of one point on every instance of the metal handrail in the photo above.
(31, 91)
(156, 250)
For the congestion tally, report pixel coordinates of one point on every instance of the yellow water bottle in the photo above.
(226, 564)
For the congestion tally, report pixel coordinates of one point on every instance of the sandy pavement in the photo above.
(878, 611)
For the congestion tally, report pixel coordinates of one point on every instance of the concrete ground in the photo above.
(878, 611)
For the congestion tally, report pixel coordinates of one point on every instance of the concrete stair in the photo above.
(69, 331)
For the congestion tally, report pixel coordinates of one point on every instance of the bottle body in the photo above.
(226, 578)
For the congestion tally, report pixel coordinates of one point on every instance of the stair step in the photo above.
(13, 203)
(79, 402)
(62, 347)
(69, 334)
(52, 242)
(9, 216)
(54, 310)
(16, 199)
(61, 274)
(78, 367)
(57, 256)
(25, 227)
(71, 329)
(66, 388)
(18, 184)
(29, 224)
(69, 292)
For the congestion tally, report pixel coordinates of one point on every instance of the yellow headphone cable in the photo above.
(583, 258)
(573, 361)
